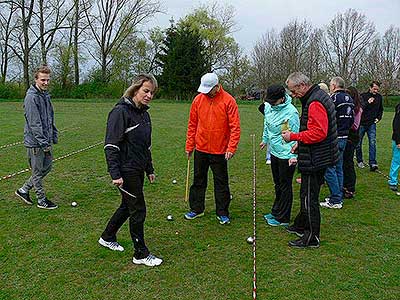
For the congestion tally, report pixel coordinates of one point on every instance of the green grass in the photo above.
(55, 255)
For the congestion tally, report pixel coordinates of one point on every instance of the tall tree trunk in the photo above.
(76, 50)
(41, 29)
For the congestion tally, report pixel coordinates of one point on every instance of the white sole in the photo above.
(101, 242)
(22, 198)
(139, 262)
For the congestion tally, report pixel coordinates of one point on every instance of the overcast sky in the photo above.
(255, 17)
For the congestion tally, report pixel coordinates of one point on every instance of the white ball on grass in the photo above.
(250, 240)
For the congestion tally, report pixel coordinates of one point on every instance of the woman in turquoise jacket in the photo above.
(279, 115)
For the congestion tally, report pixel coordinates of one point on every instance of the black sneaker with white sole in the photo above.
(295, 230)
(46, 204)
(24, 197)
(302, 243)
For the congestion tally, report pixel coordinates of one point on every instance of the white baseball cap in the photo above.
(208, 81)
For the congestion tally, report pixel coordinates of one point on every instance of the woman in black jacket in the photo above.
(128, 154)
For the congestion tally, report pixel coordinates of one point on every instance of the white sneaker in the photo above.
(361, 165)
(111, 245)
(150, 261)
(268, 162)
(330, 205)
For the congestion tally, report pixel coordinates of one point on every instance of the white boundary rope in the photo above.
(54, 160)
(21, 142)
(254, 220)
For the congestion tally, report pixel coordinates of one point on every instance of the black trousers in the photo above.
(309, 217)
(282, 174)
(135, 210)
(219, 167)
(349, 174)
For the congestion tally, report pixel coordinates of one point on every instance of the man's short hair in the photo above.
(298, 78)
(42, 69)
(376, 83)
(338, 81)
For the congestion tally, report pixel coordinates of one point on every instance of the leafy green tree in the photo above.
(214, 23)
(183, 63)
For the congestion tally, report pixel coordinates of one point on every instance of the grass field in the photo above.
(55, 254)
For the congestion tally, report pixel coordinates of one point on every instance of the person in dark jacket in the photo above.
(344, 107)
(317, 149)
(349, 174)
(395, 166)
(128, 154)
(372, 105)
(40, 133)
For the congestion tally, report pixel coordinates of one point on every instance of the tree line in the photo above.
(95, 48)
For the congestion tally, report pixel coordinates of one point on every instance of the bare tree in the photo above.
(7, 25)
(348, 35)
(111, 22)
(52, 15)
(294, 40)
(315, 66)
(33, 29)
(390, 59)
(265, 56)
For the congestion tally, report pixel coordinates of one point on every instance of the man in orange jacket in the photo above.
(213, 134)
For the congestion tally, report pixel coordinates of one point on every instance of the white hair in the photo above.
(298, 78)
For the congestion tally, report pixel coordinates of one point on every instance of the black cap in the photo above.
(274, 93)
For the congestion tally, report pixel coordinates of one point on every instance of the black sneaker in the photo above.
(373, 168)
(393, 187)
(295, 230)
(24, 197)
(300, 243)
(46, 204)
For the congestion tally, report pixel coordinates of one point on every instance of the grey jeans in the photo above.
(40, 162)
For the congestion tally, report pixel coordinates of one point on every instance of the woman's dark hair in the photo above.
(353, 92)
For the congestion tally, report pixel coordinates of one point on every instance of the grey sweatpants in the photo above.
(40, 162)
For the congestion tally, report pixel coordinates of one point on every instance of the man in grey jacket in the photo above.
(40, 133)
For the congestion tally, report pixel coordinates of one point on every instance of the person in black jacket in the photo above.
(395, 166)
(344, 108)
(317, 148)
(128, 154)
(371, 103)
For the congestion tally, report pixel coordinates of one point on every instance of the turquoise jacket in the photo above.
(276, 119)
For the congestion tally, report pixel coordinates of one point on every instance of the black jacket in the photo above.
(128, 140)
(314, 157)
(344, 107)
(371, 111)
(396, 125)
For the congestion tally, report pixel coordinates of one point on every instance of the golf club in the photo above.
(126, 192)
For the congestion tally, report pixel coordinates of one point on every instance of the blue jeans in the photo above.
(334, 176)
(395, 166)
(371, 133)
(268, 155)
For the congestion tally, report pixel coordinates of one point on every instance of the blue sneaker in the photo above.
(268, 216)
(193, 215)
(223, 220)
(273, 222)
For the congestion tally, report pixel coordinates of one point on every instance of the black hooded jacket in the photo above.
(128, 140)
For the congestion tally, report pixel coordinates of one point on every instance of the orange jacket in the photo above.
(214, 124)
